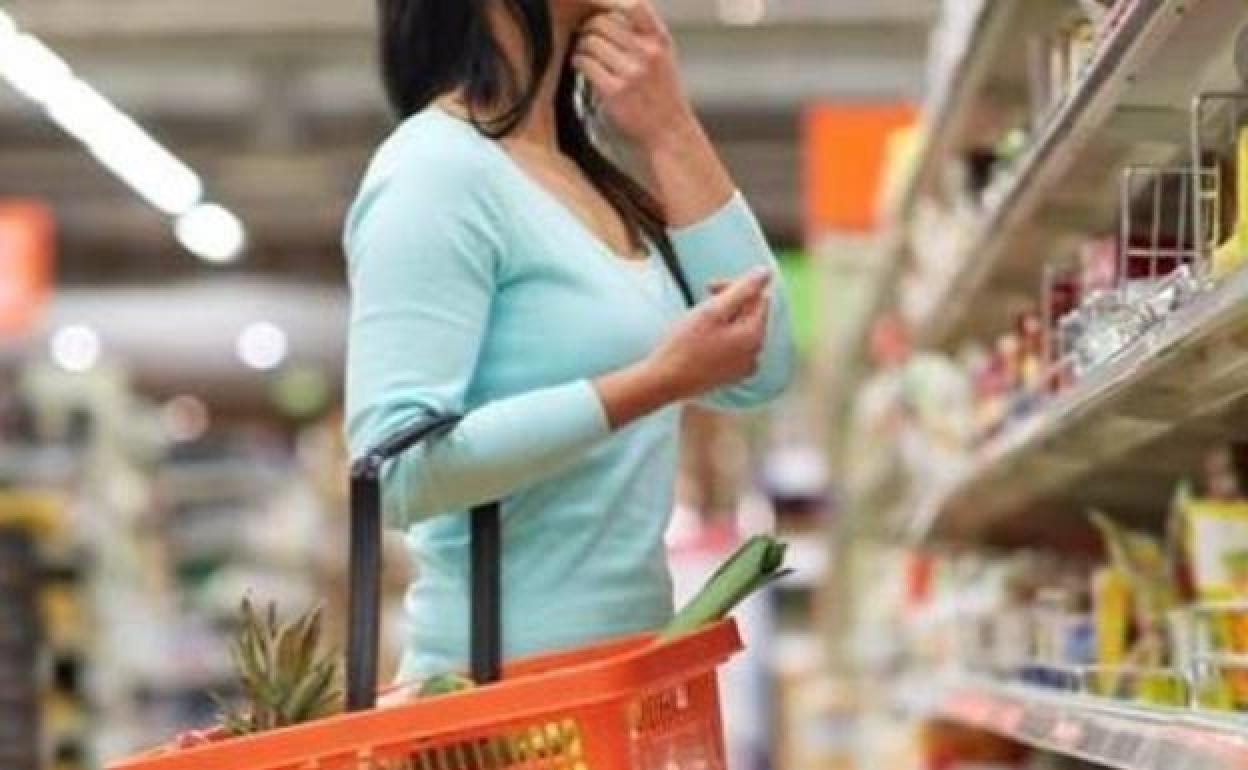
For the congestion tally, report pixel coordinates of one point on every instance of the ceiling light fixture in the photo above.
(739, 13)
(7, 27)
(119, 143)
(212, 233)
(263, 346)
(75, 348)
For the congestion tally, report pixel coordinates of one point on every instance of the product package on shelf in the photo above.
(20, 636)
(1160, 620)
(1211, 530)
(45, 658)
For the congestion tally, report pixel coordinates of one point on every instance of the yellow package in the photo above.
(1141, 559)
(1111, 612)
(1231, 254)
(1217, 546)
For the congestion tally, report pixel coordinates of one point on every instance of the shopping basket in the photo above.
(626, 704)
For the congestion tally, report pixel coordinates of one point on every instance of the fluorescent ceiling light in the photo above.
(120, 144)
(263, 346)
(211, 232)
(742, 12)
(75, 348)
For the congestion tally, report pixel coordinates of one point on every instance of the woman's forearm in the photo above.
(633, 392)
(688, 177)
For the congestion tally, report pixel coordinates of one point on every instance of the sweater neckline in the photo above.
(552, 201)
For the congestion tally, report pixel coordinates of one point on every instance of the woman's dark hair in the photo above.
(432, 47)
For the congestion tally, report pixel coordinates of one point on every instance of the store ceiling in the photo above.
(276, 104)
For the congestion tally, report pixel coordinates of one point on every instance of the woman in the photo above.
(503, 269)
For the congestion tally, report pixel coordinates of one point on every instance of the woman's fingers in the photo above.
(717, 287)
(644, 18)
(601, 78)
(755, 318)
(740, 295)
(613, 58)
(615, 27)
(607, 6)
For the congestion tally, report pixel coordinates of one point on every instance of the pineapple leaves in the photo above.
(285, 673)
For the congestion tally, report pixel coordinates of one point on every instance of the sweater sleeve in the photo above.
(424, 259)
(723, 246)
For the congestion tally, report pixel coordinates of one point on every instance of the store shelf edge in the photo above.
(1046, 163)
(1116, 735)
(999, 470)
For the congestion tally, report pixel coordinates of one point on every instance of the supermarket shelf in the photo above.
(47, 465)
(209, 480)
(877, 483)
(943, 119)
(954, 95)
(1130, 106)
(1114, 735)
(847, 362)
(1189, 369)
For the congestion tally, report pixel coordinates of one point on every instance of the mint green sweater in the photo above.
(476, 292)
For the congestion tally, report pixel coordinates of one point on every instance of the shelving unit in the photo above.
(19, 686)
(1111, 735)
(1007, 521)
(945, 113)
(1125, 109)
(954, 92)
(1130, 106)
(1185, 379)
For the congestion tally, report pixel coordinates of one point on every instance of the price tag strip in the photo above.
(1109, 733)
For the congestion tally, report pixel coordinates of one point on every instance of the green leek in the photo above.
(755, 564)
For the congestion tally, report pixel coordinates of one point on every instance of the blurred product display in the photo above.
(1011, 480)
(1048, 550)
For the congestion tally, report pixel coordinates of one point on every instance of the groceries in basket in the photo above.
(288, 675)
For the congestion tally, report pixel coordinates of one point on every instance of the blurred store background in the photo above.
(997, 220)
(173, 176)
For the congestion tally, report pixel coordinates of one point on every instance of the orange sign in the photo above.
(844, 147)
(25, 264)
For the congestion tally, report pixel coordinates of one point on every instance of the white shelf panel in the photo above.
(943, 118)
(1188, 366)
(1050, 157)
(1133, 96)
(952, 98)
(1114, 735)
(1129, 106)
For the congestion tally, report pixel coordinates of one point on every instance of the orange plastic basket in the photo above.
(629, 704)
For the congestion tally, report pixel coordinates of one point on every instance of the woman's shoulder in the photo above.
(432, 164)
(431, 147)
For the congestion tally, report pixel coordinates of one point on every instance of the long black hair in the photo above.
(432, 47)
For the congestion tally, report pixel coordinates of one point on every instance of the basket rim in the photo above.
(639, 666)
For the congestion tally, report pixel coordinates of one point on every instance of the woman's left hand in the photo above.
(627, 55)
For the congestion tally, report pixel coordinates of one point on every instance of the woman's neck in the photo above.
(538, 128)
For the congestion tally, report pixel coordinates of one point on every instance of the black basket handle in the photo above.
(364, 571)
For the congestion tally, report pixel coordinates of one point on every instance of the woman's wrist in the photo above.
(673, 137)
(689, 178)
(635, 391)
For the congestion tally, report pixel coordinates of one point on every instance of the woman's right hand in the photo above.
(717, 343)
